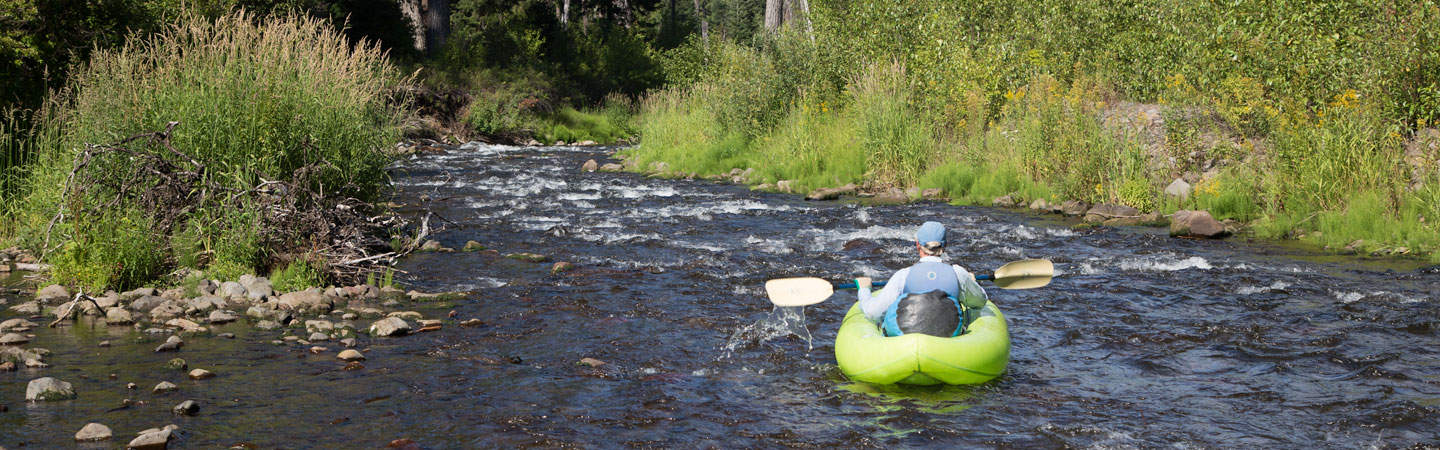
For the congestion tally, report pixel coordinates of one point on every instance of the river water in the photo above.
(1141, 340)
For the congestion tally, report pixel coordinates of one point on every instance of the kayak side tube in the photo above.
(865, 354)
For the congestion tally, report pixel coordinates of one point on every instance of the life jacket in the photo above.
(928, 303)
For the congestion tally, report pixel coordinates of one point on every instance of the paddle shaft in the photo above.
(852, 285)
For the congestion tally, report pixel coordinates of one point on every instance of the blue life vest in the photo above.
(926, 277)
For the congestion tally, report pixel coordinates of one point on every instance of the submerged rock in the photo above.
(48, 389)
(163, 387)
(93, 432)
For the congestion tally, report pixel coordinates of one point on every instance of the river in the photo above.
(1141, 340)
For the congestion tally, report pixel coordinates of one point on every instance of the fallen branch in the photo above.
(78, 296)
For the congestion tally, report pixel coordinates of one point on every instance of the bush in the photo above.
(297, 276)
(286, 99)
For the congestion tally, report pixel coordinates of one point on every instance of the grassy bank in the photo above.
(269, 112)
(1295, 123)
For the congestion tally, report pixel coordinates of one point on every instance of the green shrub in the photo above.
(255, 100)
(297, 276)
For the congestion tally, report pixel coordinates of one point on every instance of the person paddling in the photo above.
(924, 298)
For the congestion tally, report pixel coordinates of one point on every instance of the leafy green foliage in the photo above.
(297, 276)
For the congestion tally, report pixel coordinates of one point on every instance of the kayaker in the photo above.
(926, 297)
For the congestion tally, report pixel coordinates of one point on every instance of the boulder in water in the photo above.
(93, 432)
(390, 326)
(590, 166)
(48, 389)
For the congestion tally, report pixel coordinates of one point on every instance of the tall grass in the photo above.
(256, 99)
(988, 98)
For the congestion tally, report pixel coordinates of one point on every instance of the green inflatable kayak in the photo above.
(866, 354)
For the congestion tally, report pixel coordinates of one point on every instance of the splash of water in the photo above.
(781, 322)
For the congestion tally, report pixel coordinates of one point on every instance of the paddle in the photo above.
(801, 291)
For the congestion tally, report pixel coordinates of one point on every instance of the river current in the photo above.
(1142, 340)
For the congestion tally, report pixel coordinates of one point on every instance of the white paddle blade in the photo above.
(798, 291)
(1027, 274)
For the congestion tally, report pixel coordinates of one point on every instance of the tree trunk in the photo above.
(437, 23)
(774, 14)
(805, 14)
(565, 13)
(704, 22)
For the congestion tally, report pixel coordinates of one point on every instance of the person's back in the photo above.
(927, 297)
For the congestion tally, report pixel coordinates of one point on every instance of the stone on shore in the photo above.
(146, 303)
(166, 311)
(256, 288)
(1106, 212)
(118, 316)
(201, 374)
(27, 308)
(13, 339)
(350, 355)
(93, 432)
(221, 316)
(48, 389)
(231, 289)
(1196, 223)
(612, 167)
(185, 325)
(153, 440)
(1074, 207)
(52, 294)
(1006, 201)
(163, 387)
(390, 326)
(109, 300)
(1178, 189)
(309, 300)
(823, 194)
(186, 408)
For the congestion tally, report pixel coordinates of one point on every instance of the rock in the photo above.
(531, 257)
(1178, 189)
(1105, 211)
(176, 364)
(585, 143)
(1040, 205)
(430, 325)
(318, 350)
(1074, 207)
(13, 339)
(109, 300)
(321, 326)
(104, 344)
(309, 300)
(408, 315)
(146, 303)
(349, 342)
(207, 302)
(170, 345)
(1154, 219)
(48, 389)
(52, 294)
(1196, 223)
(186, 408)
(592, 362)
(93, 432)
(431, 246)
(27, 308)
(267, 325)
(590, 166)
(350, 355)
(786, 186)
(220, 316)
(1006, 201)
(184, 324)
(231, 289)
(33, 363)
(256, 288)
(133, 294)
(472, 323)
(164, 386)
(612, 167)
(7, 366)
(176, 294)
(12, 324)
(561, 267)
(390, 326)
(151, 441)
(823, 194)
(472, 246)
(201, 374)
(118, 316)
(318, 336)
(167, 311)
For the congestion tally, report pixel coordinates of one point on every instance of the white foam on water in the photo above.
(641, 191)
(768, 245)
(781, 322)
(578, 196)
(1165, 264)
(1089, 269)
(1352, 297)
(1251, 290)
(835, 240)
(862, 215)
(481, 283)
(582, 204)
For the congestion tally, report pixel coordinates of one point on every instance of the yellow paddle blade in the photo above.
(1027, 274)
(798, 291)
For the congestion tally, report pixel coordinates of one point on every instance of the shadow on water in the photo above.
(661, 336)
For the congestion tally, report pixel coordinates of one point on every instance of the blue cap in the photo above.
(930, 232)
